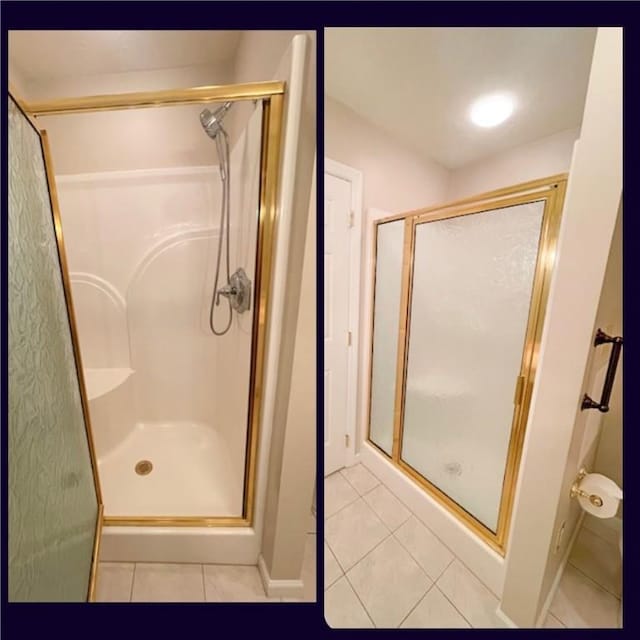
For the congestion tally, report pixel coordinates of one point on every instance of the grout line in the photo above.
(595, 533)
(358, 497)
(339, 567)
(444, 595)
(360, 601)
(448, 565)
(366, 505)
(393, 530)
(420, 599)
(413, 513)
(416, 559)
(353, 485)
(370, 552)
(487, 587)
(390, 535)
(204, 589)
(326, 517)
(455, 555)
(371, 472)
(591, 580)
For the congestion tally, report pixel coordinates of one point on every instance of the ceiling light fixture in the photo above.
(492, 110)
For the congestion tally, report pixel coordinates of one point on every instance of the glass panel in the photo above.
(143, 227)
(52, 501)
(386, 314)
(471, 293)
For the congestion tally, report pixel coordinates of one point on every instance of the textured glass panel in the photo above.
(385, 332)
(472, 286)
(52, 501)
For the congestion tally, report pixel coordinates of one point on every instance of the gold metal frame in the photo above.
(66, 285)
(551, 190)
(272, 95)
(95, 556)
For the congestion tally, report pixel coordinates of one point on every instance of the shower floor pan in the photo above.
(191, 473)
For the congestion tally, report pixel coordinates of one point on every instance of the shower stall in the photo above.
(463, 289)
(169, 274)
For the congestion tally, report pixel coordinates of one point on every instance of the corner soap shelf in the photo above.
(101, 381)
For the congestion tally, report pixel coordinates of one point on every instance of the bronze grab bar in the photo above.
(603, 405)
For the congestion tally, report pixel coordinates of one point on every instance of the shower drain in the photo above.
(144, 467)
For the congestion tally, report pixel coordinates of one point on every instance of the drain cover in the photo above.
(144, 467)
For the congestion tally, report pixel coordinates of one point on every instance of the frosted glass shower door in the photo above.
(386, 316)
(53, 507)
(469, 306)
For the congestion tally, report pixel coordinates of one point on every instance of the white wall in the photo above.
(608, 460)
(289, 497)
(553, 450)
(129, 139)
(17, 82)
(396, 179)
(545, 157)
(258, 55)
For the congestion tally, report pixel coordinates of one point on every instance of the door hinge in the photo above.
(518, 396)
(346, 440)
(349, 338)
(351, 216)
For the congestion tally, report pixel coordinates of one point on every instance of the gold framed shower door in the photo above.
(272, 96)
(551, 190)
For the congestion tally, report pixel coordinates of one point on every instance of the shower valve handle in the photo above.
(228, 291)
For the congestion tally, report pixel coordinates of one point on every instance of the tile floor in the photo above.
(384, 568)
(589, 594)
(155, 582)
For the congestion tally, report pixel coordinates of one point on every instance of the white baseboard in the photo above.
(279, 588)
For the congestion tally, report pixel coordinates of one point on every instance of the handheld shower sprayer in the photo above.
(237, 290)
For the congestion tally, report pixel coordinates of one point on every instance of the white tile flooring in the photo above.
(384, 568)
(155, 582)
(589, 594)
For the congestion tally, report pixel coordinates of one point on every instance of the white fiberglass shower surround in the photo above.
(169, 270)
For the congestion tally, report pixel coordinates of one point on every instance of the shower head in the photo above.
(212, 122)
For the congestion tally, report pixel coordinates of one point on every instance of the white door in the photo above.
(337, 210)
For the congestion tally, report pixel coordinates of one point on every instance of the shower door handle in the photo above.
(614, 357)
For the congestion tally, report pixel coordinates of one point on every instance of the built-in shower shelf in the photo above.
(101, 381)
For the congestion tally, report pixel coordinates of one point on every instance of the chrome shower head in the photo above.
(212, 122)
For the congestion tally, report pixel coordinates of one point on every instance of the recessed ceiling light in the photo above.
(492, 110)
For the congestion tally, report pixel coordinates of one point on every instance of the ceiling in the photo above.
(418, 83)
(46, 55)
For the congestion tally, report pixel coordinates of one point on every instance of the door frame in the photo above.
(272, 93)
(354, 177)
